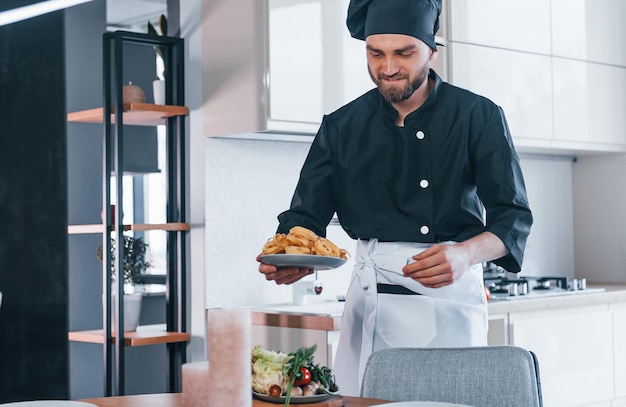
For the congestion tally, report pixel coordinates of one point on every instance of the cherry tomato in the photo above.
(302, 377)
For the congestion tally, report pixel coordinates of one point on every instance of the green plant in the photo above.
(152, 31)
(134, 258)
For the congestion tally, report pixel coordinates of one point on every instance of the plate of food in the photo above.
(316, 398)
(292, 378)
(310, 261)
(301, 247)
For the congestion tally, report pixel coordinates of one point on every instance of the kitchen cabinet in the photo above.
(115, 116)
(528, 108)
(498, 333)
(498, 24)
(589, 30)
(282, 66)
(580, 342)
(288, 64)
(619, 349)
(589, 105)
(574, 348)
(566, 96)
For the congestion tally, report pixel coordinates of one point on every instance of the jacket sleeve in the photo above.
(312, 205)
(501, 187)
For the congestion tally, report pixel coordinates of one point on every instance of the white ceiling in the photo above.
(133, 15)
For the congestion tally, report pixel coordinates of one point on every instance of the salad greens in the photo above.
(267, 369)
(270, 368)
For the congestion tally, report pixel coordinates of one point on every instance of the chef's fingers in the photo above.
(288, 275)
(293, 278)
(434, 281)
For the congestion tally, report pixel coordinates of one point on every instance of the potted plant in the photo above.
(158, 85)
(134, 264)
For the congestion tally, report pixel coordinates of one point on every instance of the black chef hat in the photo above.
(417, 18)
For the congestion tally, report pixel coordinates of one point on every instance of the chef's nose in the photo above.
(390, 67)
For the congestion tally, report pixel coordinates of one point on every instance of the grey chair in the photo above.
(484, 376)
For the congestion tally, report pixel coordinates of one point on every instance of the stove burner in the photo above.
(502, 287)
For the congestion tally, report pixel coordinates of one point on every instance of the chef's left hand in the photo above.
(439, 265)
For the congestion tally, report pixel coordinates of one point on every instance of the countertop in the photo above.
(327, 315)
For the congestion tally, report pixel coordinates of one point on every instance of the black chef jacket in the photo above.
(428, 181)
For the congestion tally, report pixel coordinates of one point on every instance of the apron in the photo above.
(454, 315)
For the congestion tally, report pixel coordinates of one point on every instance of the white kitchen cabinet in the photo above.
(562, 83)
(589, 30)
(574, 347)
(497, 23)
(278, 66)
(519, 82)
(619, 349)
(498, 333)
(589, 105)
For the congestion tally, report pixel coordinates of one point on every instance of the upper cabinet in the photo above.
(589, 30)
(499, 24)
(277, 66)
(556, 67)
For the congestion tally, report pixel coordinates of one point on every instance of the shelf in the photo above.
(136, 227)
(138, 114)
(146, 335)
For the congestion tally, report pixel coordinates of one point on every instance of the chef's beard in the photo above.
(397, 94)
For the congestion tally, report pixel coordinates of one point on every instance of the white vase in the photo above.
(132, 311)
(158, 91)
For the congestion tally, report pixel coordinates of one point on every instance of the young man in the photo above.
(410, 168)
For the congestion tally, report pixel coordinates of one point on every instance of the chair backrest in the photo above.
(483, 376)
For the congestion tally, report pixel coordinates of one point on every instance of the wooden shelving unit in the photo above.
(137, 114)
(114, 117)
(137, 227)
(145, 335)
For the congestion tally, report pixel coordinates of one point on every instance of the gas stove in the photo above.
(504, 289)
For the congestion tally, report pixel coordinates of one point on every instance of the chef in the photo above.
(424, 176)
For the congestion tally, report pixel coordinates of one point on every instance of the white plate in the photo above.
(421, 404)
(49, 403)
(303, 260)
(294, 399)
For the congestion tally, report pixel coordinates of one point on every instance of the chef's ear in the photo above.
(433, 55)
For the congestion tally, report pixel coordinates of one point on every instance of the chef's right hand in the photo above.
(287, 275)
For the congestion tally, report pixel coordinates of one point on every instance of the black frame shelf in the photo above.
(114, 114)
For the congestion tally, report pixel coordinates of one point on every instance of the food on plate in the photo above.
(297, 250)
(301, 240)
(290, 375)
(268, 373)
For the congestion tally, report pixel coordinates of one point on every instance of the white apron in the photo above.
(454, 315)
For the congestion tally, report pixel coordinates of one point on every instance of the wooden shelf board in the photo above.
(136, 227)
(139, 114)
(137, 338)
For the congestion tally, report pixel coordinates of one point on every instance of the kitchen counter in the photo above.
(327, 315)
(612, 293)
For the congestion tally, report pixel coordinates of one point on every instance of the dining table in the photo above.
(176, 400)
